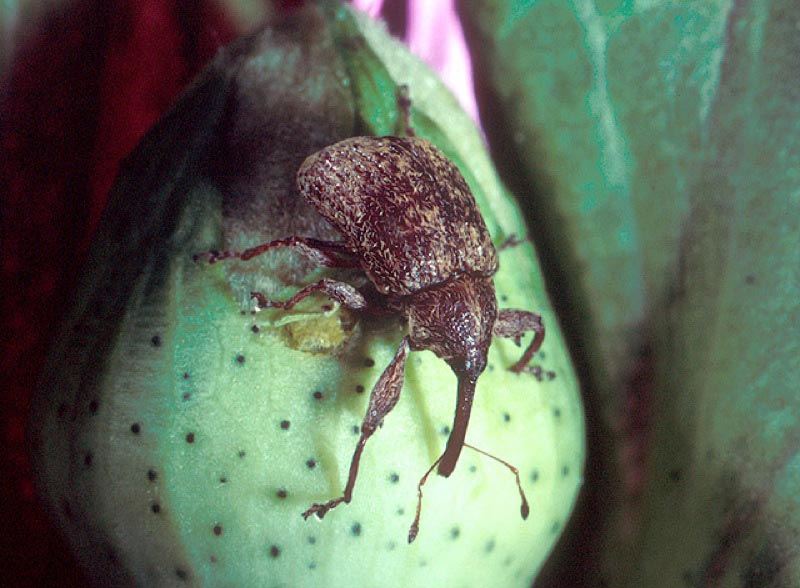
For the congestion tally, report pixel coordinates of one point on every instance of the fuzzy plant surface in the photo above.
(178, 436)
(662, 138)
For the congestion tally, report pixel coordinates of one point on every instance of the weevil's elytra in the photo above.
(409, 221)
(404, 207)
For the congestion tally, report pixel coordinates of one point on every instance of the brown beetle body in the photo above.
(410, 222)
(403, 207)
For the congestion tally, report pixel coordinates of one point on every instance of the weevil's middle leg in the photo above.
(513, 324)
(341, 292)
(325, 253)
(382, 400)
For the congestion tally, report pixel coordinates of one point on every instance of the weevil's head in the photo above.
(455, 321)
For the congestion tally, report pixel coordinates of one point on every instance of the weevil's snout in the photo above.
(455, 443)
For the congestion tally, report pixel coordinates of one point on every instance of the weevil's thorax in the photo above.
(455, 321)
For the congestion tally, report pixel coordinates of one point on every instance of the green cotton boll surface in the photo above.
(179, 436)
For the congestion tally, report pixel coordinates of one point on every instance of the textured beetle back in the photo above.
(403, 207)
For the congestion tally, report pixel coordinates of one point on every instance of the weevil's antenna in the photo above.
(524, 508)
(412, 532)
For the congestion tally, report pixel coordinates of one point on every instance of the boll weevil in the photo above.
(409, 221)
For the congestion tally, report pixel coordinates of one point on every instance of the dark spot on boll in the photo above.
(445, 431)
(152, 475)
(506, 417)
(391, 546)
(155, 340)
(675, 475)
(473, 468)
(241, 453)
(317, 395)
(212, 558)
(285, 425)
(190, 437)
(750, 279)
(255, 328)
(312, 540)
(356, 429)
(401, 511)
(369, 362)
(455, 533)
(155, 507)
(136, 428)
(551, 376)
(93, 406)
(394, 478)
(217, 529)
(534, 475)
(557, 413)
(490, 545)
(556, 526)
(240, 358)
(223, 480)
(274, 551)
(359, 389)
(503, 298)
(88, 458)
(355, 530)
(187, 395)
(186, 375)
(182, 574)
(565, 471)
(282, 493)
(311, 464)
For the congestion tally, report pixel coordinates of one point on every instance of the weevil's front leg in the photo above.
(382, 400)
(513, 324)
(326, 253)
(341, 292)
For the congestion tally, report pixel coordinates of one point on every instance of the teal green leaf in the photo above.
(658, 150)
(178, 436)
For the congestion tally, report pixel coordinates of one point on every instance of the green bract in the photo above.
(179, 437)
(664, 140)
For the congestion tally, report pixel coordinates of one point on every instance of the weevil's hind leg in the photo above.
(325, 253)
(382, 400)
(404, 128)
(341, 292)
(513, 324)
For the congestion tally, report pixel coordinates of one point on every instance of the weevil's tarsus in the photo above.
(513, 324)
(341, 292)
(382, 400)
(325, 253)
